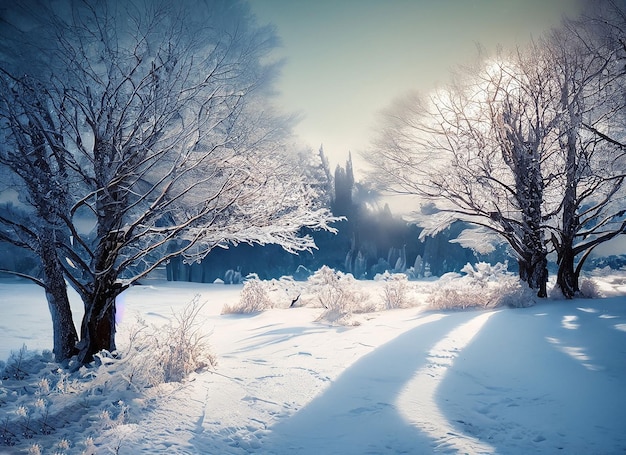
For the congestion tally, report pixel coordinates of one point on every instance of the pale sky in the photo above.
(346, 60)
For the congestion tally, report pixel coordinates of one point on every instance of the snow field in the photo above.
(544, 379)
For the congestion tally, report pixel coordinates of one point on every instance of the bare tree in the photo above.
(587, 57)
(532, 145)
(159, 114)
(478, 149)
(37, 167)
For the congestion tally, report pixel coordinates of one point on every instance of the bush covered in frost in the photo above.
(482, 286)
(39, 399)
(339, 294)
(395, 292)
(258, 295)
(254, 298)
(168, 353)
(589, 288)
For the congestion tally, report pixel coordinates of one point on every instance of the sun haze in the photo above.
(346, 60)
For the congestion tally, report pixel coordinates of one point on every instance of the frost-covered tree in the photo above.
(587, 64)
(36, 174)
(477, 149)
(316, 169)
(157, 111)
(531, 146)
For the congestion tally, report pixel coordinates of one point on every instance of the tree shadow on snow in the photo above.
(545, 379)
(358, 413)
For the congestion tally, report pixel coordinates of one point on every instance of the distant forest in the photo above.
(371, 240)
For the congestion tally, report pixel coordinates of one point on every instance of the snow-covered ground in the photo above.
(550, 378)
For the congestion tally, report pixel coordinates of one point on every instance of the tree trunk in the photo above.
(539, 276)
(534, 272)
(98, 324)
(98, 327)
(534, 264)
(63, 329)
(524, 159)
(567, 278)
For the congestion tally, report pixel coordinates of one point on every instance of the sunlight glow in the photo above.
(575, 352)
(621, 327)
(569, 322)
(120, 307)
(418, 402)
(588, 310)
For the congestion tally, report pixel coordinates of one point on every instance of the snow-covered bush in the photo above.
(482, 286)
(589, 288)
(160, 354)
(35, 391)
(14, 365)
(166, 353)
(185, 347)
(396, 291)
(285, 292)
(254, 298)
(481, 273)
(32, 401)
(339, 294)
(515, 293)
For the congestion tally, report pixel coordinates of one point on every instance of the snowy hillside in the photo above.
(543, 379)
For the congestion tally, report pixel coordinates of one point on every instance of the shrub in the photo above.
(481, 273)
(167, 353)
(482, 286)
(339, 295)
(254, 298)
(285, 292)
(515, 293)
(186, 348)
(395, 291)
(589, 288)
(14, 367)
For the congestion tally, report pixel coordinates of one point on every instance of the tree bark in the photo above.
(98, 324)
(567, 278)
(535, 262)
(524, 158)
(97, 328)
(63, 329)
(534, 271)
